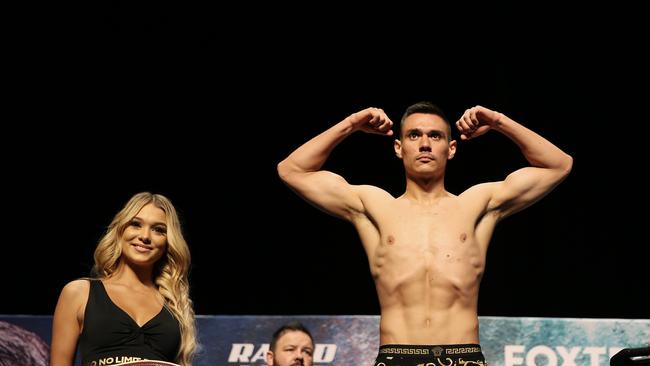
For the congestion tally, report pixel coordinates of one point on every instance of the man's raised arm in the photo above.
(548, 164)
(326, 190)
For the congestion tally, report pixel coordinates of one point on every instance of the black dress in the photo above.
(110, 336)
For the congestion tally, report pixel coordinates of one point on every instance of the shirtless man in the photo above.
(426, 248)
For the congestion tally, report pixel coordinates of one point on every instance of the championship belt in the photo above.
(149, 363)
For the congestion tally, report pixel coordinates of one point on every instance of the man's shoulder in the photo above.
(374, 192)
(479, 189)
(478, 195)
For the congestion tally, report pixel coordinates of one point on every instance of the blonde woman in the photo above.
(137, 304)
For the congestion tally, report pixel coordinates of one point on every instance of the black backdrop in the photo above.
(200, 104)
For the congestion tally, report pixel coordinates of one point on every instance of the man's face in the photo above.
(424, 144)
(293, 348)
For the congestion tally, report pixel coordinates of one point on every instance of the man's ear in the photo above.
(452, 149)
(397, 145)
(269, 358)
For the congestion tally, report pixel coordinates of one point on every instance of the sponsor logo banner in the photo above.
(354, 340)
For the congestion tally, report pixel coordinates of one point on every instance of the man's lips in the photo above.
(425, 157)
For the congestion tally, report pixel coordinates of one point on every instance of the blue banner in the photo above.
(354, 340)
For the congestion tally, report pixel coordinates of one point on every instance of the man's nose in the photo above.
(424, 144)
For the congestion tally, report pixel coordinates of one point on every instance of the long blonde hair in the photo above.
(170, 272)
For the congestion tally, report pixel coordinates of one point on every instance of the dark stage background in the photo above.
(120, 100)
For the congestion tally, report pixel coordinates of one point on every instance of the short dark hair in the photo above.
(427, 108)
(289, 327)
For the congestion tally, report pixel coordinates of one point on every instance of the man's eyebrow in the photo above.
(441, 132)
(428, 132)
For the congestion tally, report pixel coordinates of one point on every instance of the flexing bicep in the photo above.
(524, 187)
(66, 324)
(327, 191)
